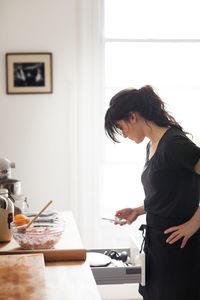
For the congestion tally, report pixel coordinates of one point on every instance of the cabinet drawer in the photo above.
(117, 275)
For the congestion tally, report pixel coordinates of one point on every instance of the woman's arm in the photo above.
(130, 214)
(197, 167)
(187, 229)
(140, 210)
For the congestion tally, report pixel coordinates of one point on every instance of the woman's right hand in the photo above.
(129, 214)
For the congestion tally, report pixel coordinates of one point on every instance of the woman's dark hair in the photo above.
(143, 101)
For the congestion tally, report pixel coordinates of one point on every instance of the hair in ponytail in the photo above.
(143, 101)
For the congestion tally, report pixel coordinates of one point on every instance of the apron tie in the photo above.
(143, 228)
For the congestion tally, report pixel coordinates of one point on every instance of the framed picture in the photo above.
(28, 73)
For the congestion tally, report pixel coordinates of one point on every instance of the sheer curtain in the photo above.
(88, 166)
(89, 120)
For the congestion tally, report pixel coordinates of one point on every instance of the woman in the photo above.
(171, 184)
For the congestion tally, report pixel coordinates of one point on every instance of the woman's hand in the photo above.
(184, 231)
(129, 214)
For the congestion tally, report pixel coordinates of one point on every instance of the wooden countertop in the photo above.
(69, 279)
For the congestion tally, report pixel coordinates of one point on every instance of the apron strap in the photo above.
(143, 228)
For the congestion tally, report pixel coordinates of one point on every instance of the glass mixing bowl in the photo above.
(40, 235)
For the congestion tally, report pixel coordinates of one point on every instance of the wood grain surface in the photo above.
(70, 280)
(22, 277)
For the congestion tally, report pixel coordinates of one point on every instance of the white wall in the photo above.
(37, 130)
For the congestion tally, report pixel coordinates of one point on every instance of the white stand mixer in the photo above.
(12, 185)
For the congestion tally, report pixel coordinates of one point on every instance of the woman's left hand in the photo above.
(184, 231)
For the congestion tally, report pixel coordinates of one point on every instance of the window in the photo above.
(148, 42)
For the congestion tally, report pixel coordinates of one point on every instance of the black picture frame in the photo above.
(29, 73)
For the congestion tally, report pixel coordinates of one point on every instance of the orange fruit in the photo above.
(21, 220)
(18, 217)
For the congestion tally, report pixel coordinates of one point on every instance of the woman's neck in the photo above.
(155, 132)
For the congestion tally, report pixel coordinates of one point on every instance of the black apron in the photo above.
(172, 273)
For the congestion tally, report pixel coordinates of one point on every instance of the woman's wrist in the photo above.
(140, 210)
(195, 220)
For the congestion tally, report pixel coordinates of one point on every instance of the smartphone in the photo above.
(116, 220)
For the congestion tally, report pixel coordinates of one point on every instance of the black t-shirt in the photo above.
(172, 188)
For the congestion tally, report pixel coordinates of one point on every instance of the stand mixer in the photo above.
(12, 185)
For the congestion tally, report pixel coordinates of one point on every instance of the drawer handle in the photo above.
(133, 271)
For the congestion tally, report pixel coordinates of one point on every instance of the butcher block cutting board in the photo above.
(69, 248)
(22, 277)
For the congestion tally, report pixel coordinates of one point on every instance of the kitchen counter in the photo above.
(70, 281)
(64, 280)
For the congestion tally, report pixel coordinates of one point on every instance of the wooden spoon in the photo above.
(23, 230)
(29, 224)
